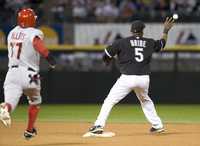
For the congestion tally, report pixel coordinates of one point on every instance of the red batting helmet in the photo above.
(26, 18)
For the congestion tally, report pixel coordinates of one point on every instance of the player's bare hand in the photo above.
(168, 24)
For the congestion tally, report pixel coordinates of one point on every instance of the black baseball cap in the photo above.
(137, 26)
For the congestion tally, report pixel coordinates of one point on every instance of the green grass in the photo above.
(120, 113)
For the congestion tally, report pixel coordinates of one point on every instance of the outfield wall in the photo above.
(74, 87)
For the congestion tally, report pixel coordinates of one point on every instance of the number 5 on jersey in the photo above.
(16, 47)
(139, 57)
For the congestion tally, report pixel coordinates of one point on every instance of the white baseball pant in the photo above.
(123, 86)
(18, 82)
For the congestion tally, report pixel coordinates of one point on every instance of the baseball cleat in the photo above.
(5, 116)
(157, 130)
(97, 131)
(30, 134)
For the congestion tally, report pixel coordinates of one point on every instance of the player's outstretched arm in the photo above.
(38, 44)
(168, 24)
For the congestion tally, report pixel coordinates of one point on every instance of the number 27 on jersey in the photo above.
(16, 49)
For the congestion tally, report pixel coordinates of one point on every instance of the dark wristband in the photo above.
(163, 42)
(165, 31)
(51, 60)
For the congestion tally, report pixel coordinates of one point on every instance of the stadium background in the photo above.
(76, 31)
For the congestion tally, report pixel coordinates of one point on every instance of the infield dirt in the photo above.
(70, 134)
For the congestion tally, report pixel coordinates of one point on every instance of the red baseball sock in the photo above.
(32, 116)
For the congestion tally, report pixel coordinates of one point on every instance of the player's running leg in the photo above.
(31, 131)
(12, 94)
(33, 110)
(117, 93)
(32, 116)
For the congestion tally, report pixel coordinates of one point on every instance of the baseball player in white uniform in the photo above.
(25, 45)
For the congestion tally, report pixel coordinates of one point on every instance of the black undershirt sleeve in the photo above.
(106, 59)
(110, 52)
(113, 49)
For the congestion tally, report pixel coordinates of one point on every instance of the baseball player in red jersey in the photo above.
(25, 45)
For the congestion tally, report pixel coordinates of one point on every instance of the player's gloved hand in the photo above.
(168, 24)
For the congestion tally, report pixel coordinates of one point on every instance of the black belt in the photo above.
(29, 68)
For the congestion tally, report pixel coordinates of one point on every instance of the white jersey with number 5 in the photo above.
(20, 47)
